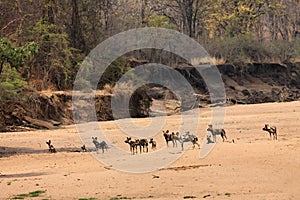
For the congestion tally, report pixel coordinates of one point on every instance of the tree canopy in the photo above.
(46, 40)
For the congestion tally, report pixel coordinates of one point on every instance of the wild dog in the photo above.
(153, 144)
(132, 145)
(216, 132)
(189, 138)
(176, 137)
(271, 130)
(51, 147)
(143, 144)
(83, 148)
(169, 137)
(99, 145)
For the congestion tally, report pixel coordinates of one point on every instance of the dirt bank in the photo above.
(244, 84)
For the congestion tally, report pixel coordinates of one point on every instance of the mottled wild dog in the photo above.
(99, 145)
(271, 130)
(83, 148)
(51, 147)
(132, 145)
(153, 144)
(169, 137)
(143, 144)
(216, 132)
(189, 138)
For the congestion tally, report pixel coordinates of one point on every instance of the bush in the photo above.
(11, 84)
(247, 49)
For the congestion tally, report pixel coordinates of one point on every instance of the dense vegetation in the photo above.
(42, 42)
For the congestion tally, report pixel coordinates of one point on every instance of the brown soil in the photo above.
(254, 167)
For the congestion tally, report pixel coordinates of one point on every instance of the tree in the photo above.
(76, 34)
(239, 17)
(15, 56)
(54, 60)
(188, 15)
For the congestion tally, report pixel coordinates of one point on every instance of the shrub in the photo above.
(247, 49)
(11, 84)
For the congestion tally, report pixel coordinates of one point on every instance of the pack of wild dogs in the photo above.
(142, 145)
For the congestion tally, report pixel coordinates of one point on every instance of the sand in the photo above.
(251, 167)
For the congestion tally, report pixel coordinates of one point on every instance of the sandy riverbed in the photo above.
(253, 167)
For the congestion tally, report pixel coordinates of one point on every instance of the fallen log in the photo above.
(39, 123)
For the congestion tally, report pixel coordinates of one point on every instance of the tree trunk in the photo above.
(1, 67)
(76, 30)
(189, 16)
(143, 9)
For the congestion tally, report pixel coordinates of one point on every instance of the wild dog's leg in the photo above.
(167, 140)
(196, 142)
(214, 136)
(132, 148)
(147, 147)
(224, 135)
(174, 141)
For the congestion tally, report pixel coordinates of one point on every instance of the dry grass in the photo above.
(208, 60)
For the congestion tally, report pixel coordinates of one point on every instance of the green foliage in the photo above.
(156, 20)
(55, 56)
(112, 74)
(242, 48)
(227, 26)
(11, 84)
(30, 194)
(245, 48)
(36, 193)
(231, 18)
(286, 51)
(87, 199)
(11, 60)
(119, 198)
(15, 56)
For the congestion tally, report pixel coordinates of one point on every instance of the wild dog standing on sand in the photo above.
(99, 145)
(153, 144)
(271, 130)
(143, 144)
(216, 132)
(169, 137)
(132, 145)
(189, 138)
